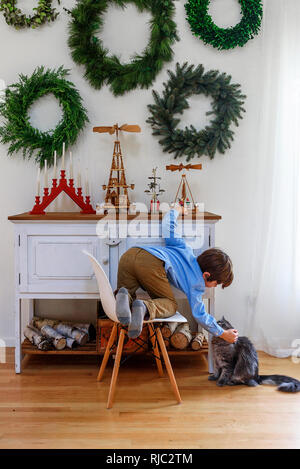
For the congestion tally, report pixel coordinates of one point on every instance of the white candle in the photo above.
(38, 182)
(54, 168)
(46, 175)
(71, 166)
(79, 175)
(79, 179)
(63, 157)
(87, 186)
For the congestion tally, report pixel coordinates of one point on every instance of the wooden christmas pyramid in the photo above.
(117, 187)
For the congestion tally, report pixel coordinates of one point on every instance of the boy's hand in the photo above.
(231, 335)
(181, 209)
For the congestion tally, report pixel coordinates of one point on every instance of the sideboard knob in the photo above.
(105, 261)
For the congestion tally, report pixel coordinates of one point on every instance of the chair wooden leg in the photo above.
(107, 352)
(116, 369)
(168, 365)
(155, 350)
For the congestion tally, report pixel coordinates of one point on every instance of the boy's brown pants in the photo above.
(140, 269)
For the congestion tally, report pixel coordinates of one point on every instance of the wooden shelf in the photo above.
(203, 349)
(90, 349)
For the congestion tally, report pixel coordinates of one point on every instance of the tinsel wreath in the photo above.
(227, 108)
(100, 67)
(202, 24)
(17, 130)
(14, 17)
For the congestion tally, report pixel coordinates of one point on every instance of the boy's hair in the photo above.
(218, 264)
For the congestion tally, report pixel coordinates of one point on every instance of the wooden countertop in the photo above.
(76, 216)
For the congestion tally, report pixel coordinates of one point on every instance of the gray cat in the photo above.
(238, 364)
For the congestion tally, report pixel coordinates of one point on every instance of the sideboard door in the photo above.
(55, 263)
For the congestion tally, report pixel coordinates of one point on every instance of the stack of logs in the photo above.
(48, 333)
(180, 336)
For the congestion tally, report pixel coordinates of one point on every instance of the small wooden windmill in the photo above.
(117, 187)
(184, 194)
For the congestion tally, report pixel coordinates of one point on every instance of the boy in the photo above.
(154, 268)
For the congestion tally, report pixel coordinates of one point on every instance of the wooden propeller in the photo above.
(180, 167)
(115, 128)
(130, 128)
(103, 129)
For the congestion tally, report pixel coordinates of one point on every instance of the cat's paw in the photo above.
(252, 383)
(212, 378)
(222, 382)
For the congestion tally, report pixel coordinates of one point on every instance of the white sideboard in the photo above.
(49, 263)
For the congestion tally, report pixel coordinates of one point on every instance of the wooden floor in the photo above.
(56, 403)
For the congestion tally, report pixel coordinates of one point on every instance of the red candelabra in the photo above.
(58, 186)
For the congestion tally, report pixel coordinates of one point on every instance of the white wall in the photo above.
(225, 185)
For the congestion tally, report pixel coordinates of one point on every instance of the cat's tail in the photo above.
(284, 383)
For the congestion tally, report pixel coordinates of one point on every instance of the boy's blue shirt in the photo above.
(183, 271)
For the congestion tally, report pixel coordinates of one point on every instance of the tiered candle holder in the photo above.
(63, 186)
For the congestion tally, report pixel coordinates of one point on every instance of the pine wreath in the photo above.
(17, 130)
(227, 108)
(14, 16)
(100, 67)
(202, 25)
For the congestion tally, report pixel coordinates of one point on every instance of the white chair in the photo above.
(109, 306)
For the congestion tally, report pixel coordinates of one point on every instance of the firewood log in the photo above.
(71, 343)
(64, 329)
(168, 329)
(59, 341)
(78, 335)
(167, 342)
(37, 339)
(88, 328)
(197, 341)
(181, 337)
(40, 322)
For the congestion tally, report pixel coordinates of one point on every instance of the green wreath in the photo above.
(17, 130)
(14, 16)
(226, 108)
(203, 26)
(88, 50)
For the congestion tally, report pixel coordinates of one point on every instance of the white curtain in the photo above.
(274, 308)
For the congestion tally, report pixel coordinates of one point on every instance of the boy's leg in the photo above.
(126, 272)
(151, 276)
(139, 268)
(127, 286)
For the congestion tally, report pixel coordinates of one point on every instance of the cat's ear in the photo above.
(223, 318)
